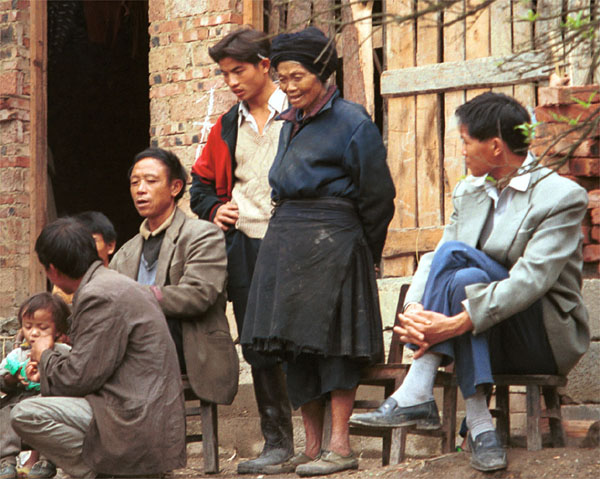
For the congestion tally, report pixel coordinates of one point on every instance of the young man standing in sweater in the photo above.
(230, 187)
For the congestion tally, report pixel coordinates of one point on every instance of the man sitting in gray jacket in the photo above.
(114, 405)
(183, 262)
(501, 294)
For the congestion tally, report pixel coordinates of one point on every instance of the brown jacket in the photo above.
(191, 275)
(124, 363)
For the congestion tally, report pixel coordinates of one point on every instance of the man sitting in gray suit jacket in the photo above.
(183, 262)
(501, 294)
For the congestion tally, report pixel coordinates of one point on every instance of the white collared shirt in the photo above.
(277, 103)
(503, 199)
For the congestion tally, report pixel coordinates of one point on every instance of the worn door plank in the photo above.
(429, 171)
(400, 53)
(454, 51)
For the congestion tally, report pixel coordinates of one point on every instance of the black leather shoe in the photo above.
(487, 453)
(267, 458)
(389, 414)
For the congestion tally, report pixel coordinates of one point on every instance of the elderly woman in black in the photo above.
(313, 299)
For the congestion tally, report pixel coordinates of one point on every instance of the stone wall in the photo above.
(186, 92)
(563, 113)
(15, 158)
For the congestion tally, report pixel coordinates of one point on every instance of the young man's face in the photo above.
(152, 192)
(246, 81)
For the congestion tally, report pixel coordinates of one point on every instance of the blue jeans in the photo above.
(517, 345)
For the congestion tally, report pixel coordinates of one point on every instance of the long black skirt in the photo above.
(314, 289)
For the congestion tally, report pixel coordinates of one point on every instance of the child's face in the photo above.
(38, 324)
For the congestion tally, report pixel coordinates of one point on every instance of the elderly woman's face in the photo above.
(303, 88)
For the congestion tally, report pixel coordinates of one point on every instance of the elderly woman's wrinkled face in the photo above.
(303, 88)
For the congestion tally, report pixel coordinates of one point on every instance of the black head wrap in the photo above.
(310, 47)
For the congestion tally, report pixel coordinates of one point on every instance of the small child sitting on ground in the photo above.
(43, 314)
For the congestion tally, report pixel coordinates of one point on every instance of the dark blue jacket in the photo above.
(338, 153)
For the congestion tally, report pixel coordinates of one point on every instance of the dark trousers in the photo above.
(517, 345)
(242, 252)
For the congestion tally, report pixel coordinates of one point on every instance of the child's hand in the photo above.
(32, 371)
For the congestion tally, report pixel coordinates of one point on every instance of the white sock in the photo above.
(417, 387)
(479, 418)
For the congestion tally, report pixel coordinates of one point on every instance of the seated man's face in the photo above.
(153, 195)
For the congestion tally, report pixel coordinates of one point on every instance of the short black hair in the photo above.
(244, 45)
(67, 244)
(491, 115)
(98, 223)
(171, 162)
(52, 303)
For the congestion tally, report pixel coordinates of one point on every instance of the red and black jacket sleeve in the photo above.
(212, 173)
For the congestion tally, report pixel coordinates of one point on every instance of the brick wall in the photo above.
(14, 158)
(186, 94)
(565, 114)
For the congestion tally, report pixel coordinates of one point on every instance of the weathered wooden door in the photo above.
(435, 62)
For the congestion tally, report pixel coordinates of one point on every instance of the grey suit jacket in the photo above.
(123, 362)
(540, 244)
(191, 275)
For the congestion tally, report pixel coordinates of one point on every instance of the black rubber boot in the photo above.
(275, 420)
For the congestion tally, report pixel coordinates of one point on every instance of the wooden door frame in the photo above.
(38, 141)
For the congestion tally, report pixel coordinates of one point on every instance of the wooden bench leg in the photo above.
(398, 445)
(534, 413)
(552, 401)
(210, 439)
(503, 419)
(449, 419)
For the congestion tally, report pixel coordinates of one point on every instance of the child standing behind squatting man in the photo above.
(41, 315)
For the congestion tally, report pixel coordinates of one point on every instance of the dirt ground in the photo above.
(561, 463)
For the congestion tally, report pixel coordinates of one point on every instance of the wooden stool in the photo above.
(390, 376)
(209, 436)
(533, 383)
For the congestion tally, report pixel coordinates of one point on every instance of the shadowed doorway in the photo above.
(98, 106)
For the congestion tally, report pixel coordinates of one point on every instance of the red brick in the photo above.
(591, 253)
(586, 232)
(565, 113)
(212, 20)
(587, 182)
(558, 137)
(195, 35)
(595, 215)
(12, 132)
(184, 108)
(594, 199)
(557, 163)
(170, 26)
(156, 10)
(221, 5)
(595, 233)
(585, 166)
(18, 161)
(170, 89)
(176, 37)
(11, 83)
(564, 95)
